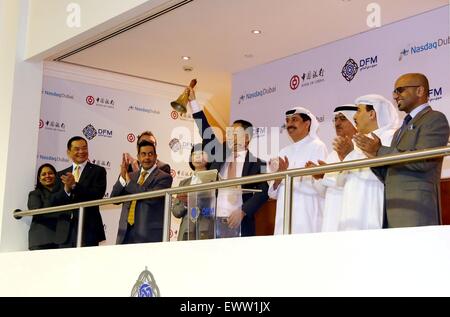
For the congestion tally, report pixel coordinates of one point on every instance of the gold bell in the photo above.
(180, 104)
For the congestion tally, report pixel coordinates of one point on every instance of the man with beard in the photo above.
(307, 206)
(362, 201)
(327, 183)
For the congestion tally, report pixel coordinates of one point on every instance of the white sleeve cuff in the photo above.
(273, 193)
(195, 106)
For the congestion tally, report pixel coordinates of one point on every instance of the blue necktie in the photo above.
(403, 127)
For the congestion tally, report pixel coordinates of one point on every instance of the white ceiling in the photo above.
(216, 34)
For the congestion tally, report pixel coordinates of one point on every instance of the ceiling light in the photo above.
(186, 58)
(256, 31)
(248, 55)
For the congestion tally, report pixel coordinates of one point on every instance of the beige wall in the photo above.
(48, 29)
(9, 12)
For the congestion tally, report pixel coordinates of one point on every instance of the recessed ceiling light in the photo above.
(186, 58)
(256, 31)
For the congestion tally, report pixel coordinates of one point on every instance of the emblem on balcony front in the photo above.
(145, 286)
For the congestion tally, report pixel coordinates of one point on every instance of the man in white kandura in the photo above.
(307, 205)
(362, 201)
(327, 183)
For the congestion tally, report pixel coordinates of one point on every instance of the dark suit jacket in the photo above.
(160, 164)
(91, 186)
(163, 166)
(252, 166)
(149, 213)
(412, 189)
(43, 228)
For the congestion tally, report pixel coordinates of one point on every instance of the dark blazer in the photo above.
(149, 213)
(163, 166)
(91, 186)
(412, 189)
(160, 164)
(252, 166)
(43, 228)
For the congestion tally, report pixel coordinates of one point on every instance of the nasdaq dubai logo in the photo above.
(425, 47)
(435, 94)
(145, 285)
(352, 67)
(54, 158)
(144, 109)
(57, 94)
(257, 94)
(100, 102)
(91, 132)
(403, 53)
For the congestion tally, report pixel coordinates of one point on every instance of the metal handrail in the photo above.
(287, 175)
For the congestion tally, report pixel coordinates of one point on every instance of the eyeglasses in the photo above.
(399, 90)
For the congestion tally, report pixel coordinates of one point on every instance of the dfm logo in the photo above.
(369, 61)
(351, 67)
(435, 94)
(105, 133)
(91, 132)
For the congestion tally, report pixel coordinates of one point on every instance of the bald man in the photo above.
(411, 196)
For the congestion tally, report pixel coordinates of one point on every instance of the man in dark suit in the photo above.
(83, 181)
(233, 159)
(411, 189)
(141, 221)
(134, 163)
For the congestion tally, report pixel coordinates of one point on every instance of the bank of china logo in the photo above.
(349, 70)
(89, 132)
(145, 286)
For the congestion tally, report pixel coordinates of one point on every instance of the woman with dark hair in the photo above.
(198, 161)
(43, 227)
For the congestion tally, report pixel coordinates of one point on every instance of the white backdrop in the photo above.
(313, 78)
(112, 110)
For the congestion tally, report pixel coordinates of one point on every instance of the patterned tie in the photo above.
(76, 173)
(403, 127)
(133, 203)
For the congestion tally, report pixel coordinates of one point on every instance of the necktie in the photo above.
(232, 167)
(76, 173)
(133, 203)
(403, 127)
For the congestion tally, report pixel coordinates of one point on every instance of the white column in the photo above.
(20, 96)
